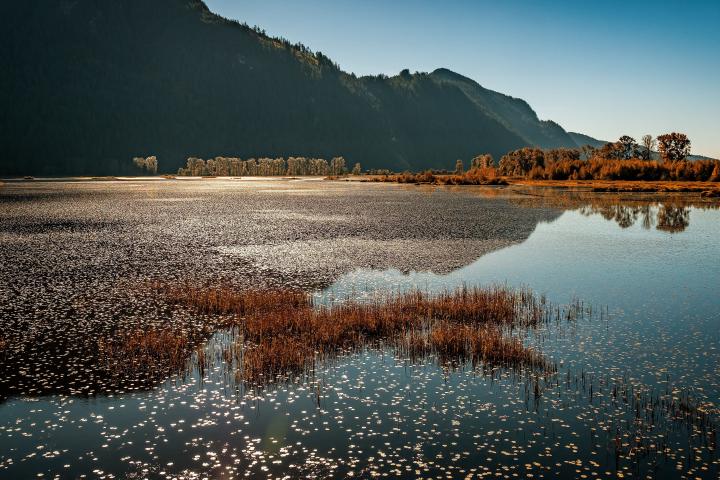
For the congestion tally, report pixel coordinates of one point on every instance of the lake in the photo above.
(635, 342)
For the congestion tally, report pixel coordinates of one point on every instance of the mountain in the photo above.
(582, 140)
(513, 113)
(87, 85)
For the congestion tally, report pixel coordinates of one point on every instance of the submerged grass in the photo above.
(283, 332)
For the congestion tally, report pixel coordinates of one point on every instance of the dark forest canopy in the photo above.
(88, 86)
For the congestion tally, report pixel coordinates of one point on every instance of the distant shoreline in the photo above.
(709, 189)
(706, 189)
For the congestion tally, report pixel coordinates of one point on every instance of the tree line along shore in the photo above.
(292, 166)
(664, 159)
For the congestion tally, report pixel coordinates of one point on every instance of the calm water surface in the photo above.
(654, 328)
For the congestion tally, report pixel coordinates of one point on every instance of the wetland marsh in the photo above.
(135, 312)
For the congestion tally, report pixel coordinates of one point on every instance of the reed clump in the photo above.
(223, 300)
(284, 331)
(273, 357)
(147, 354)
(453, 342)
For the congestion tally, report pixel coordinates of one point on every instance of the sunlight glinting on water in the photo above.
(632, 332)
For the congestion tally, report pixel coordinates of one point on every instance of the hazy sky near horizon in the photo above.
(603, 68)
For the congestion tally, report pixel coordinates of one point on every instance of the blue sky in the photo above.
(604, 68)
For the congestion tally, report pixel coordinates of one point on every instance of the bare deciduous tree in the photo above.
(649, 144)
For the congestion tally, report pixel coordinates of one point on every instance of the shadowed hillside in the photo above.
(88, 85)
(581, 140)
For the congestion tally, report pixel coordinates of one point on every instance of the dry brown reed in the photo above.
(148, 353)
(484, 344)
(227, 300)
(280, 356)
(284, 331)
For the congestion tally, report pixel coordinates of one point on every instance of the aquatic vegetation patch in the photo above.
(483, 344)
(283, 331)
(141, 351)
(275, 357)
(645, 422)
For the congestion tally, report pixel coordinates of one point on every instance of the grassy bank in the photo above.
(705, 189)
(710, 189)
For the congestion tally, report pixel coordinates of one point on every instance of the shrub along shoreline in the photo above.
(622, 166)
(709, 189)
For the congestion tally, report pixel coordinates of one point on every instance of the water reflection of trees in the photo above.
(665, 217)
(665, 213)
(673, 219)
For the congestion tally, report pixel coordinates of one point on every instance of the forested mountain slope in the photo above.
(88, 84)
